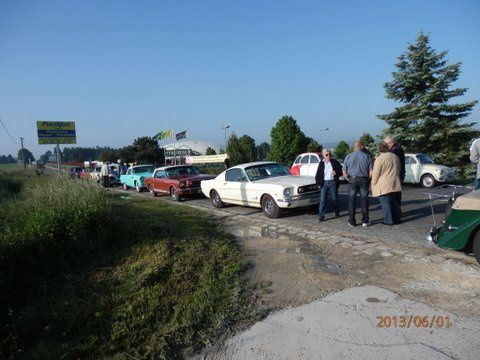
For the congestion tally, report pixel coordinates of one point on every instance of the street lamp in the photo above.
(225, 128)
(323, 136)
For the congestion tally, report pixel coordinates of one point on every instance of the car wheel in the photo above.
(216, 199)
(476, 246)
(137, 187)
(174, 194)
(152, 192)
(270, 207)
(125, 186)
(427, 181)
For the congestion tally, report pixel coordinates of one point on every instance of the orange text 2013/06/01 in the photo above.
(413, 321)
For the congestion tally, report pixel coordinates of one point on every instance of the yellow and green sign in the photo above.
(56, 132)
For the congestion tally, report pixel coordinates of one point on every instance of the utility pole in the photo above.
(59, 159)
(23, 155)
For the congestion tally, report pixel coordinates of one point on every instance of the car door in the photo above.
(313, 165)
(234, 187)
(127, 178)
(304, 165)
(411, 169)
(159, 182)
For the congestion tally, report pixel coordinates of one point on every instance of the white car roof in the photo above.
(243, 166)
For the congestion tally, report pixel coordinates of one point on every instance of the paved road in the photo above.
(417, 216)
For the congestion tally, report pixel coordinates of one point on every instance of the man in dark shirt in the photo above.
(356, 170)
(397, 150)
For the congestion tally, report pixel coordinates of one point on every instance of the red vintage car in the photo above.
(177, 181)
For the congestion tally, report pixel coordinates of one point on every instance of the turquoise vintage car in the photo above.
(461, 229)
(135, 177)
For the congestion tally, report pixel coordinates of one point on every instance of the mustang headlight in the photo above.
(181, 184)
(142, 178)
(287, 191)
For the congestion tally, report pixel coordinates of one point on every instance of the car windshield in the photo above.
(264, 171)
(143, 169)
(424, 159)
(181, 170)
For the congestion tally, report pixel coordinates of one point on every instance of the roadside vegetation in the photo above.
(85, 274)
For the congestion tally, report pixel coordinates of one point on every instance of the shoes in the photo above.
(365, 224)
(388, 224)
(337, 215)
(321, 219)
(398, 222)
(352, 224)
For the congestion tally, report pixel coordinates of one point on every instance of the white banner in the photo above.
(207, 159)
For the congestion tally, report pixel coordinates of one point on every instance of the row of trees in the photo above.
(7, 159)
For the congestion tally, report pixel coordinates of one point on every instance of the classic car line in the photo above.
(265, 185)
(176, 181)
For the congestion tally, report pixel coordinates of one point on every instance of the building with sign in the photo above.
(176, 152)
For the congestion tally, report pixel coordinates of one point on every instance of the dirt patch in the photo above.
(299, 267)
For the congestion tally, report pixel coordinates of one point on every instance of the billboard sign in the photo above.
(56, 132)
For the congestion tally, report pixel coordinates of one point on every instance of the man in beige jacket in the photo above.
(386, 184)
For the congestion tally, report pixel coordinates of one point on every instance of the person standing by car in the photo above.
(122, 169)
(475, 158)
(397, 150)
(357, 169)
(104, 172)
(328, 179)
(386, 184)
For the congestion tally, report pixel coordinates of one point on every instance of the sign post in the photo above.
(56, 132)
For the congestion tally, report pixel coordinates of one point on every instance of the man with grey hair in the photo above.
(475, 158)
(328, 179)
(357, 169)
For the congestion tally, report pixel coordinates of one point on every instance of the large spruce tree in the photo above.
(427, 121)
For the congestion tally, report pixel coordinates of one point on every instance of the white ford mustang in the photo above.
(266, 185)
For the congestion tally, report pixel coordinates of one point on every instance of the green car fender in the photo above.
(459, 228)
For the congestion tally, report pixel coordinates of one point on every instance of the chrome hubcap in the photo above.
(428, 181)
(269, 206)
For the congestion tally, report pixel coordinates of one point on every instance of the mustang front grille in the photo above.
(307, 188)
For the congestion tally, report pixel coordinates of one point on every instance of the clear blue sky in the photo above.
(124, 69)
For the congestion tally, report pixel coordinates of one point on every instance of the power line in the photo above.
(10, 136)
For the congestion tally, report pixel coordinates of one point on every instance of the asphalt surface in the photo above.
(417, 215)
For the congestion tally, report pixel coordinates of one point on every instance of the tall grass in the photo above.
(45, 229)
(86, 275)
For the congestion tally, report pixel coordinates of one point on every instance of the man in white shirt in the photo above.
(328, 178)
(104, 172)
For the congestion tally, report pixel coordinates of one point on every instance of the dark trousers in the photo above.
(476, 183)
(329, 187)
(391, 208)
(356, 186)
(105, 181)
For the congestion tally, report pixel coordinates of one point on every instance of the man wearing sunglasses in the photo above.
(328, 179)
